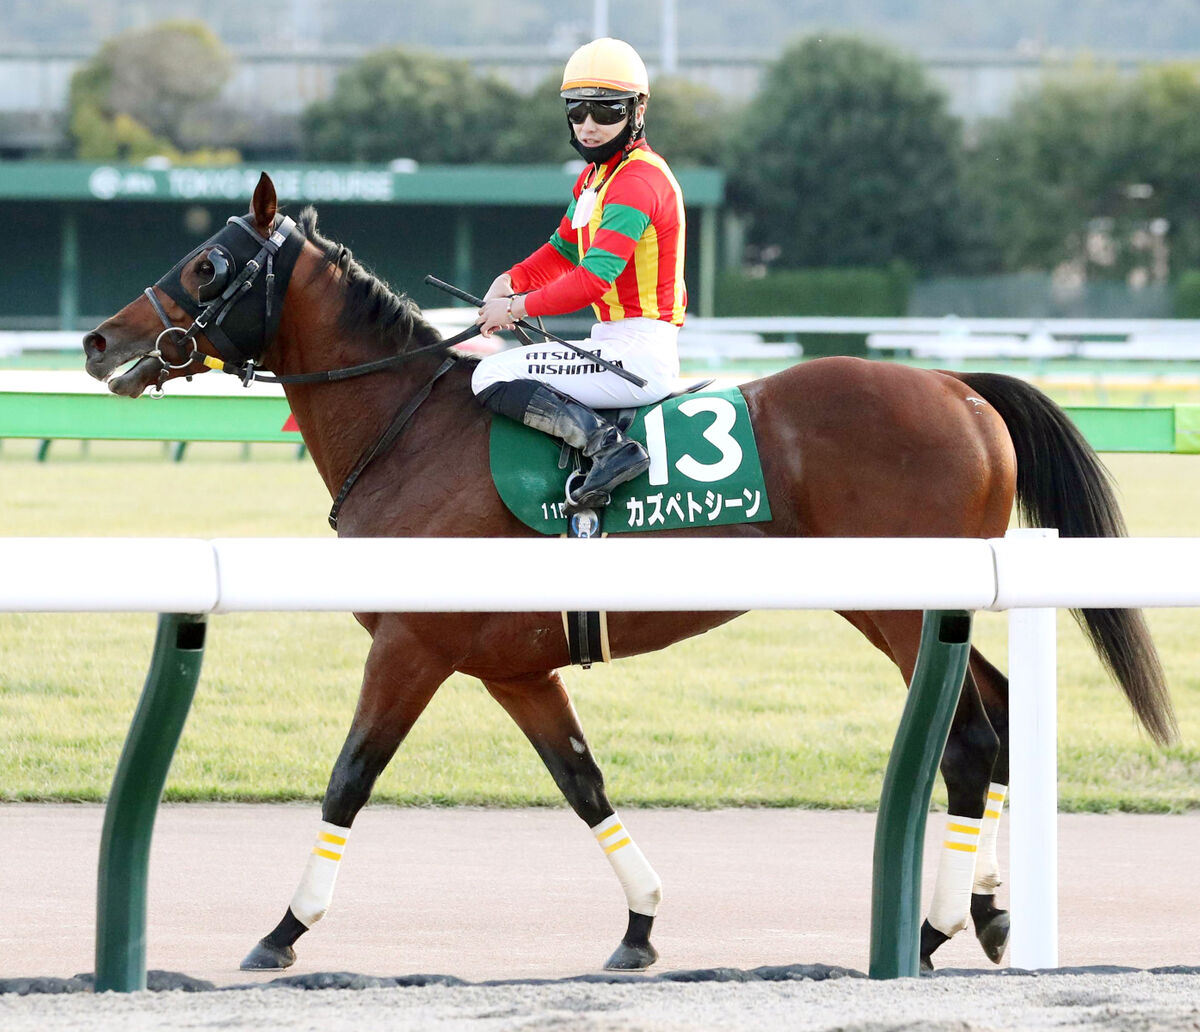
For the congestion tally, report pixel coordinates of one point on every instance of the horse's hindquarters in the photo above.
(852, 448)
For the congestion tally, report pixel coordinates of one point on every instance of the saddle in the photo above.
(584, 521)
(704, 472)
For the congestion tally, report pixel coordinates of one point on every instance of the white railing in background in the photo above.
(14, 342)
(946, 337)
(1030, 573)
(950, 324)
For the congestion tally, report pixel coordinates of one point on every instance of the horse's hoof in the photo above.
(993, 936)
(266, 956)
(931, 939)
(631, 958)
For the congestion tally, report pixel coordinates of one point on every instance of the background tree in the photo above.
(1057, 163)
(146, 91)
(537, 132)
(398, 104)
(1165, 146)
(688, 124)
(849, 156)
(1095, 171)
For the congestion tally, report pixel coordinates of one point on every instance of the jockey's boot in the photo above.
(615, 457)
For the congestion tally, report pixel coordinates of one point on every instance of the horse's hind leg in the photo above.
(967, 765)
(399, 680)
(991, 923)
(541, 708)
(972, 750)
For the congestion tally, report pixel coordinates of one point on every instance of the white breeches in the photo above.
(643, 889)
(647, 347)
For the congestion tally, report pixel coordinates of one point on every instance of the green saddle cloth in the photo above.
(704, 469)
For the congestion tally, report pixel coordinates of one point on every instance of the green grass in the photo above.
(775, 709)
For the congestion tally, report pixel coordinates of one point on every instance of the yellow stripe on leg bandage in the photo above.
(612, 839)
(315, 892)
(951, 905)
(987, 867)
(643, 890)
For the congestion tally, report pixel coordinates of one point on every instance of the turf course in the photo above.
(775, 709)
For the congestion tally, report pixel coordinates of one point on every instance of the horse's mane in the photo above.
(370, 307)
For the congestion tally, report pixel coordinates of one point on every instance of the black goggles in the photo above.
(603, 112)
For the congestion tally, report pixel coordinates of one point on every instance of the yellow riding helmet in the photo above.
(605, 68)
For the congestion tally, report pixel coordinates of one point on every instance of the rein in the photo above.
(247, 373)
(386, 439)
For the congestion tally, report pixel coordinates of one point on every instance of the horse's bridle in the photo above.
(238, 254)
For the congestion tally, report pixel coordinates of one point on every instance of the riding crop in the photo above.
(471, 299)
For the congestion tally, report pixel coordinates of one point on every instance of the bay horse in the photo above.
(849, 448)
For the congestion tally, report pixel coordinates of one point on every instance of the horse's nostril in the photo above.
(94, 342)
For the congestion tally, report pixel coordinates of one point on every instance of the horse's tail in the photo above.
(1062, 483)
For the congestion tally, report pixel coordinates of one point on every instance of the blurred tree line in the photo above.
(145, 91)
(1024, 26)
(847, 158)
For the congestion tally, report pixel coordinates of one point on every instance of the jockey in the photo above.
(620, 249)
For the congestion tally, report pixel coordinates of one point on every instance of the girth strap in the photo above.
(387, 439)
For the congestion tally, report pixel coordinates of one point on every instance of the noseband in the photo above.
(238, 253)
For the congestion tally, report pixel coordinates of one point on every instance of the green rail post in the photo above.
(907, 786)
(133, 802)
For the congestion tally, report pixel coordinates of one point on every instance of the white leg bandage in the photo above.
(315, 891)
(951, 904)
(643, 890)
(987, 867)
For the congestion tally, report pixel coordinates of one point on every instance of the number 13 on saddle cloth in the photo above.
(704, 470)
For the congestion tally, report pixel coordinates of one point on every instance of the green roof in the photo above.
(325, 184)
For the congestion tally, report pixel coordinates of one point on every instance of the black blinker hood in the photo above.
(242, 332)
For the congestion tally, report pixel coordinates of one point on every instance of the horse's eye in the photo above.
(205, 268)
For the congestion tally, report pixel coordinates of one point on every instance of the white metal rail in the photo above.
(190, 575)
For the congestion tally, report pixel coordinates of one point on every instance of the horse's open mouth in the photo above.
(132, 377)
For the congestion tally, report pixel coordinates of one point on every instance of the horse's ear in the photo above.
(264, 205)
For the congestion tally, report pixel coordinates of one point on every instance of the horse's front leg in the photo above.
(541, 708)
(399, 680)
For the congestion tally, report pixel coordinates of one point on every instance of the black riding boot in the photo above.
(615, 457)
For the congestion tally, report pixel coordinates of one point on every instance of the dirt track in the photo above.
(526, 894)
(1143, 1002)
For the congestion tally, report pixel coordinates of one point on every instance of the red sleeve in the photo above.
(569, 293)
(608, 253)
(545, 265)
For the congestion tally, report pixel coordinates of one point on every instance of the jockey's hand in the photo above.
(501, 287)
(500, 313)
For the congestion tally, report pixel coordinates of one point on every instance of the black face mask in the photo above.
(599, 155)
